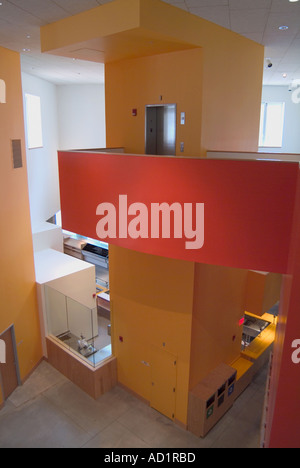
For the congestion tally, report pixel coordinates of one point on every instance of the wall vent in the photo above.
(17, 153)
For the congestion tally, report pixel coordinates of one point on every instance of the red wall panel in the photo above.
(283, 416)
(248, 204)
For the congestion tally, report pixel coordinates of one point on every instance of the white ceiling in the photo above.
(259, 20)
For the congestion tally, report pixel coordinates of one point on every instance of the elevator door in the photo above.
(161, 130)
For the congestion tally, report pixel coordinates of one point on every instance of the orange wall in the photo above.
(17, 276)
(232, 87)
(263, 291)
(151, 304)
(282, 419)
(133, 84)
(219, 297)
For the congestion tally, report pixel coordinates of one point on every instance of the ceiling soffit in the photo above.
(128, 29)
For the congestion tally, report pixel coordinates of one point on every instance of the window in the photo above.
(271, 124)
(2, 92)
(33, 121)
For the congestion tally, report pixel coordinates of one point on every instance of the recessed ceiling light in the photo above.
(26, 50)
(283, 28)
(284, 75)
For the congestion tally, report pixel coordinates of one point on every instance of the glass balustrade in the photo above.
(79, 329)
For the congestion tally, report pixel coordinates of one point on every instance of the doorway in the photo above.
(9, 371)
(161, 130)
(163, 382)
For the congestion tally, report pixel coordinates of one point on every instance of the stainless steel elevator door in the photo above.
(161, 130)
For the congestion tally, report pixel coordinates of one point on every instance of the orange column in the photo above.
(152, 300)
(17, 275)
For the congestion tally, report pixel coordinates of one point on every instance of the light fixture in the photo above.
(26, 50)
(284, 75)
(283, 28)
(293, 1)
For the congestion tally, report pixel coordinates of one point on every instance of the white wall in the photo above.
(81, 116)
(291, 134)
(73, 117)
(42, 162)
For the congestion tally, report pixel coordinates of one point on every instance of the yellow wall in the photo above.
(193, 308)
(133, 84)
(17, 276)
(219, 298)
(91, 24)
(232, 87)
(263, 291)
(152, 301)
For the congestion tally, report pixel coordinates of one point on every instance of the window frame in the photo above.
(34, 127)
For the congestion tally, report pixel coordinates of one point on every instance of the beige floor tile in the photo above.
(116, 436)
(50, 411)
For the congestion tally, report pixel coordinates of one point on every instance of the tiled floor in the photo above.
(49, 411)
